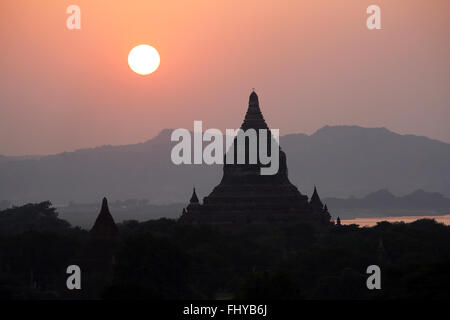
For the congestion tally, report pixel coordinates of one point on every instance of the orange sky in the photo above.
(312, 63)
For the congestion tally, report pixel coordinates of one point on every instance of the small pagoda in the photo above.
(104, 226)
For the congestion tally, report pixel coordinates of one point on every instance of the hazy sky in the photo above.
(312, 63)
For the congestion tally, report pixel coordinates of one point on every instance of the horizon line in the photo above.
(31, 155)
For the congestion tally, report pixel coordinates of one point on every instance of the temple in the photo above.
(104, 226)
(99, 255)
(245, 196)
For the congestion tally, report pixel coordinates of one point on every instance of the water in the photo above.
(363, 222)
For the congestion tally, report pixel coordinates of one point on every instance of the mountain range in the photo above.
(341, 161)
(383, 203)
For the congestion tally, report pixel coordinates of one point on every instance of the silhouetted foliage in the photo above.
(150, 267)
(33, 216)
(163, 259)
(267, 285)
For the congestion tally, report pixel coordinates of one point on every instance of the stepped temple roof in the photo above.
(244, 195)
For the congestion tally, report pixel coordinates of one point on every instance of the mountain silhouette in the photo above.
(384, 203)
(340, 160)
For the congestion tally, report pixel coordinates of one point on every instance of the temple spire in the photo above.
(254, 118)
(105, 207)
(104, 225)
(315, 202)
(194, 198)
(193, 203)
(253, 100)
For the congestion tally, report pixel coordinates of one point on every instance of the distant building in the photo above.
(99, 256)
(244, 195)
(104, 226)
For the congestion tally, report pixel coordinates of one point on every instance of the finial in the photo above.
(105, 203)
(194, 198)
(253, 98)
(315, 190)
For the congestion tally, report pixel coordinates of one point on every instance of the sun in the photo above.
(143, 59)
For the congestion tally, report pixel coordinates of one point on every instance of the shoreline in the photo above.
(368, 222)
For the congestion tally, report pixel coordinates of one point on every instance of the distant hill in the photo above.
(340, 160)
(384, 203)
(15, 158)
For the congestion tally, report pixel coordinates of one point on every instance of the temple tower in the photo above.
(104, 226)
(99, 256)
(244, 195)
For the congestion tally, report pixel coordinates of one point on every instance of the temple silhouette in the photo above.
(245, 196)
(99, 255)
(104, 226)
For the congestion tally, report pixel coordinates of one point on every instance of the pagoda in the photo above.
(104, 226)
(98, 258)
(245, 196)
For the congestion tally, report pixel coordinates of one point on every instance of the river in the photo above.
(363, 222)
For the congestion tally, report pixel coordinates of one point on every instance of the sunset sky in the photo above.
(312, 63)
